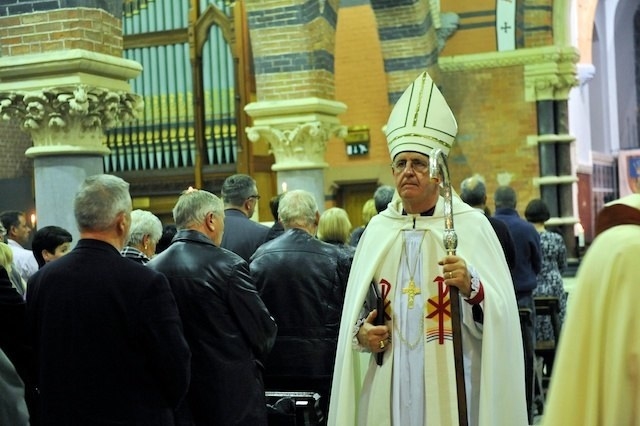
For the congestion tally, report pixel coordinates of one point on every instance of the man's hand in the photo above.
(374, 337)
(456, 273)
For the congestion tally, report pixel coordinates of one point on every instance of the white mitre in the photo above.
(421, 120)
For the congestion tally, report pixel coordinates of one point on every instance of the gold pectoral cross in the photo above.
(411, 290)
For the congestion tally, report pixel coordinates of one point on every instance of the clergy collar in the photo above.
(424, 213)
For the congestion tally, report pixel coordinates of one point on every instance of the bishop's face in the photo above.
(416, 188)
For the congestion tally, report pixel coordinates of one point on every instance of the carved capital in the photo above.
(71, 119)
(551, 80)
(300, 147)
(296, 130)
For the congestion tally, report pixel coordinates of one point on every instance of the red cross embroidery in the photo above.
(439, 306)
(385, 288)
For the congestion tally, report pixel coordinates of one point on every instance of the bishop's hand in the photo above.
(374, 337)
(456, 273)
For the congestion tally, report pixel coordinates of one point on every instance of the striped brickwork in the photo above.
(537, 23)
(19, 7)
(293, 48)
(408, 41)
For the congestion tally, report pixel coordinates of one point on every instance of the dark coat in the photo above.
(13, 339)
(229, 329)
(241, 234)
(302, 280)
(275, 231)
(528, 252)
(506, 241)
(108, 340)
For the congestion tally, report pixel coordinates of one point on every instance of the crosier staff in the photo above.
(437, 167)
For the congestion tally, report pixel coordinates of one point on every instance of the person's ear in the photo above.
(46, 255)
(209, 223)
(145, 241)
(121, 224)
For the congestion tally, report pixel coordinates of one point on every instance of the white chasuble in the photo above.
(423, 387)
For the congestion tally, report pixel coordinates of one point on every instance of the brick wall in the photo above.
(493, 124)
(14, 142)
(361, 84)
(19, 7)
(91, 29)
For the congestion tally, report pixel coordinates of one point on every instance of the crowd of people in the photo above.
(394, 322)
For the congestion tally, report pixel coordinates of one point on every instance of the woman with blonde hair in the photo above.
(6, 262)
(334, 227)
(6, 256)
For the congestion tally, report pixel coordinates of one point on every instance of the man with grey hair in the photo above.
(243, 236)
(383, 196)
(474, 192)
(302, 281)
(146, 230)
(228, 327)
(106, 332)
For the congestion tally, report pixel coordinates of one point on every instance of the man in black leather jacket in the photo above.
(302, 281)
(228, 328)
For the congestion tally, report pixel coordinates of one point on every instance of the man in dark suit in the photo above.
(229, 329)
(474, 192)
(108, 340)
(242, 235)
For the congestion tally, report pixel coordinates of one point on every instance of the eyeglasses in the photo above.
(257, 197)
(417, 166)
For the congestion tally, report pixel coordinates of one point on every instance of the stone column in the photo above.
(548, 84)
(295, 112)
(297, 132)
(65, 101)
(63, 80)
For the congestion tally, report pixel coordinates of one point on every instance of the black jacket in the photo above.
(528, 253)
(302, 280)
(108, 340)
(228, 328)
(13, 338)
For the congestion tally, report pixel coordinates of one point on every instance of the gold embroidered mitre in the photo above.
(421, 120)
